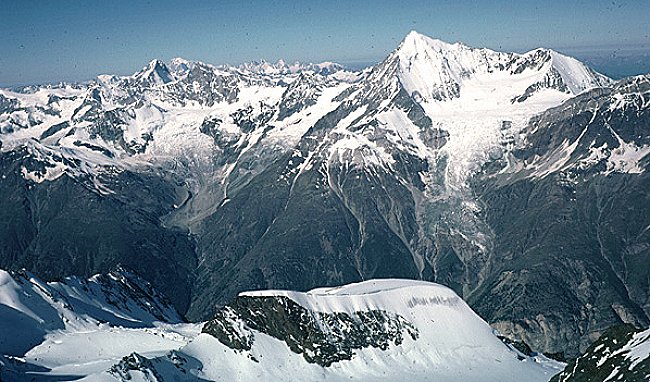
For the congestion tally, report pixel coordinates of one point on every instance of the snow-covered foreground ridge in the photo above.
(374, 330)
(65, 330)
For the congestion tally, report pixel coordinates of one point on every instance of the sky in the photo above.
(75, 40)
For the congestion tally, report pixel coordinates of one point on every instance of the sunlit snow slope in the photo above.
(64, 330)
(380, 330)
(116, 327)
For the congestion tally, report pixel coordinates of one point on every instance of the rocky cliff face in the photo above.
(322, 338)
(569, 216)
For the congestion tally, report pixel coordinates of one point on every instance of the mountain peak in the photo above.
(416, 41)
(155, 65)
(156, 62)
(414, 35)
(156, 71)
(435, 70)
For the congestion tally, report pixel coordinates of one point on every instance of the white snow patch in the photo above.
(402, 132)
(51, 173)
(626, 158)
(289, 131)
(638, 348)
(350, 118)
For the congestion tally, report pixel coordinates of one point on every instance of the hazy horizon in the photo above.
(75, 41)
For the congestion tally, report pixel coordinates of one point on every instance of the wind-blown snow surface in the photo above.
(453, 344)
(64, 330)
(74, 329)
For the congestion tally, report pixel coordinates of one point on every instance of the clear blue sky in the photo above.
(71, 40)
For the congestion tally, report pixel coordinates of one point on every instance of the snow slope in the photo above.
(78, 329)
(65, 327)
(452, 343)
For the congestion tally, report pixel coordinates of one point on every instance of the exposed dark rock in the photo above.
(572, 244)
(322, 338)
(135, 362)
(68, 227)
(608, 360)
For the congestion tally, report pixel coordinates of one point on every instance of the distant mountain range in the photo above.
(517, 180)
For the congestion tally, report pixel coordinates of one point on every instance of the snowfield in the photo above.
(453, 343)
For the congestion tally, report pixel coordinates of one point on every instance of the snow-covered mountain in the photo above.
(378, 329)
(434, 70)
(114, 120)
(439, 163)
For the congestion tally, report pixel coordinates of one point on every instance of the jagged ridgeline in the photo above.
(519, 180)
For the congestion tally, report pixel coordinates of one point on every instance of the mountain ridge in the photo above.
(378, 328)
(254, 180)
